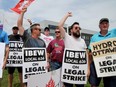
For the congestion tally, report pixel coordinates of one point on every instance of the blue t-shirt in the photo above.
(4, 37)
(98, 37)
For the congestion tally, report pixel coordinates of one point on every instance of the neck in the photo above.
(103, 32)
(14, 34)
(74, 37)
(34, 36)
(47, 34)
(58, 38)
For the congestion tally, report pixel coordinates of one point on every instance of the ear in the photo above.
(71, 30)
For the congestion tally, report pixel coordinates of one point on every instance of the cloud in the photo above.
(86, 12)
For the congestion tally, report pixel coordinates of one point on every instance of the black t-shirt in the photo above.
(15, 37)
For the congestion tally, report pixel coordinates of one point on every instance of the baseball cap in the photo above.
(104, 19)
(15, 28)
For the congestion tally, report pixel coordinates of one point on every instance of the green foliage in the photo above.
(5, 79)
(16, 80)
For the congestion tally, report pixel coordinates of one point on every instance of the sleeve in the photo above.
(49, 48)
(114, 31)
(85, 45)
(6, 40)
(26, 35)
(66, 37)
(91, 40)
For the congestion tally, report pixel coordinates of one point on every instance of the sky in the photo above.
(86, 12)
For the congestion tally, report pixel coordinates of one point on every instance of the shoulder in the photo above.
(26, 33)
(41, 40)
(4, 33)
(51, 37)
(54, 40)
(82, 39)
(10, 35)
(113, 30)
(67, 35)
(96, 35)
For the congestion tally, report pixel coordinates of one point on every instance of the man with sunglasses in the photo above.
(55, 51)
(46, 36)
(74, 41)
(32, 40)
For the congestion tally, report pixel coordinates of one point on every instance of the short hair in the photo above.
(74, 24)
(46, 28)
(57, 27)
(36, 24)
(15, 27)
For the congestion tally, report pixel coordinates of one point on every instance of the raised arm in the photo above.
(61, 23)
(20, 21)
(30, 22)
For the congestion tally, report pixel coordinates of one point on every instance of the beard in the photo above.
(77, 34)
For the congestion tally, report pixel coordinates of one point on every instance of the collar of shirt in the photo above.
(105, 35)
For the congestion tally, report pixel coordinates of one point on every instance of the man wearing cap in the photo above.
(102, 35)
(14, 37)
(46, 36)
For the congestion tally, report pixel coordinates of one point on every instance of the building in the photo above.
(85, 34)
(52, 25)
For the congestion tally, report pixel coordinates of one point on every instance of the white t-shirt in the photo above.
(47, 39)
(75, 44)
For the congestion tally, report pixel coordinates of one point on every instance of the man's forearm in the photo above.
(6, 53)
(20, 21)
(61, 23)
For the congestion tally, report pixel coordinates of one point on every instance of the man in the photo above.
(55, 51)
(102, 35)
(30, 40)
(4, 39)
(46, 36)
(72, 42)
(14, 37)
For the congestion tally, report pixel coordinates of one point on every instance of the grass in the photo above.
(5, 79)
(16, 80)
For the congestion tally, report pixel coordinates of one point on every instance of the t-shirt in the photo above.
(4, 37)
(47, 39)
(15, 37)
(56, 48)
(32, 42)
(74, 44)
(98, 37)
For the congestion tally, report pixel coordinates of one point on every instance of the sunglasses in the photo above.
(57, 31)
(77, 28)
(37, 29)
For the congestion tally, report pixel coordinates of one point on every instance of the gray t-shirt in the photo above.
(32, 42)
